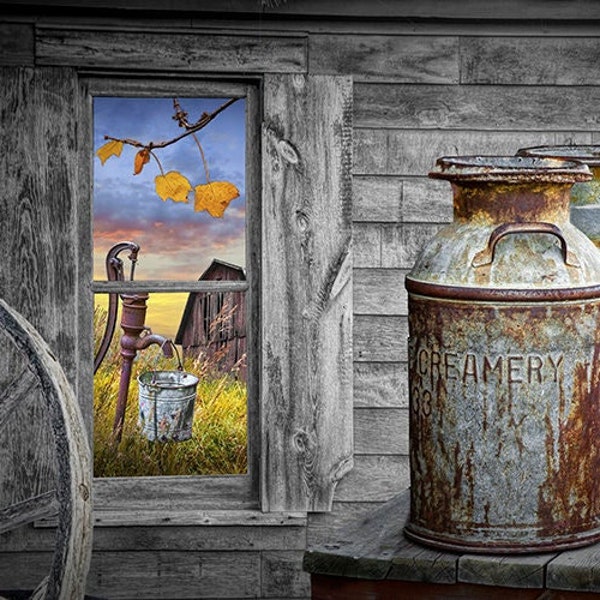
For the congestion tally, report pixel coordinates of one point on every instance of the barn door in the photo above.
(38, 253)
(306, 290)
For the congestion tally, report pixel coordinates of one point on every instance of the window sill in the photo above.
(199, 518)
(201, 501)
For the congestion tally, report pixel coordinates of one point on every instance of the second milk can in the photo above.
(504, 364)
(585, 197)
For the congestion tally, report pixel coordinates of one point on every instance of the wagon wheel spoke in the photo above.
(39, 506)
(15, 392)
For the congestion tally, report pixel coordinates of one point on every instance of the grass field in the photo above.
(219, 439)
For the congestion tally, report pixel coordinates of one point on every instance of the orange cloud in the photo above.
(173, 250)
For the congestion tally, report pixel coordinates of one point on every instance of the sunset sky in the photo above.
(176, 242)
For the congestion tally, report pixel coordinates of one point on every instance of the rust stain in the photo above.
(512, 203)
(454, 379)
(570, 498)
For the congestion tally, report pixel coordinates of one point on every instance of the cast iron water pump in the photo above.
(136, 335)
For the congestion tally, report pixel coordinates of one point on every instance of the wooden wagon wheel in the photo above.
(72, 553)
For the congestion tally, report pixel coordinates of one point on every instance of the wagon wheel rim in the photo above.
(72, 553)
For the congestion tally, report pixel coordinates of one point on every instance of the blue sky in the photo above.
(176, 242)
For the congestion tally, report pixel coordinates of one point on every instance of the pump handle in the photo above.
(114, 272)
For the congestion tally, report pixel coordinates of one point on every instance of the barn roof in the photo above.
(216, 264)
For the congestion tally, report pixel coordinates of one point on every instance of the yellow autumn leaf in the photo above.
(112, 148)
(214, 197)
(172, 185)
(141, 158)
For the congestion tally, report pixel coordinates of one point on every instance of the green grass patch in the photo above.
(219, 436)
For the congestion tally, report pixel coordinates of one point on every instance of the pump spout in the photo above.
(166, 345)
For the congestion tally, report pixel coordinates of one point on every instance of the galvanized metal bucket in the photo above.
(585, 195)
(504, 364)
(166, 405)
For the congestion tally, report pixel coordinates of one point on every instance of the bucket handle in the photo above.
(486, 256)
(178, 356)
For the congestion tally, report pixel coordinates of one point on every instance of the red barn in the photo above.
(213, 324)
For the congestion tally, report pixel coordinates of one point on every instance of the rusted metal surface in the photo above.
(136, 336)
(586, 153)
(504, 366)
(114, 272)
(585, 196)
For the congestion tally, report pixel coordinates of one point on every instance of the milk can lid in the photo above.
(510, 169)
(586, 153)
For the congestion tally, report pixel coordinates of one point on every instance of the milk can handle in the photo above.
(486, 256)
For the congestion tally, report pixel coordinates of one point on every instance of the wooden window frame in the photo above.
(206, 492)
(301, 255)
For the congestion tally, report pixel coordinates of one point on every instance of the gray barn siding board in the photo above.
(166, 537)
(401, 244)
(426, 200)
(181, 575)
(20, 571)
(282, 575)
(396, 199)
(380, 338)
(325, 526)
(16, 44)
(406, 59)
(307, 208)
(389, 245)
(556, 61)
(381, 431)
(380, 292)
(509, 10)
(380, 385)
(191, 51)
(414, 151)
(477, 107)
(366, 240)
(467, 9)
(375, 478)
(38, 162)
(151, 575)
(38, 193)
(377, 199)
(215, 493)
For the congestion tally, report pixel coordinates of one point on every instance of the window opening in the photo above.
(182, 204)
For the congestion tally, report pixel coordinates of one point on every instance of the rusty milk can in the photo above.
(585, 196)
(504, 364)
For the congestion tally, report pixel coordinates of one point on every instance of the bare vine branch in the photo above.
(181, 117)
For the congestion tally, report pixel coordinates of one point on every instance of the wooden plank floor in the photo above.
(371, 559)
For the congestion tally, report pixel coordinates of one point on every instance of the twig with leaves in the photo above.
(212, 196)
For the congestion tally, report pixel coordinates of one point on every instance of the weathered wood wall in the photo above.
(476, 82)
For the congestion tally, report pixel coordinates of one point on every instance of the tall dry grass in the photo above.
(219, 436)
